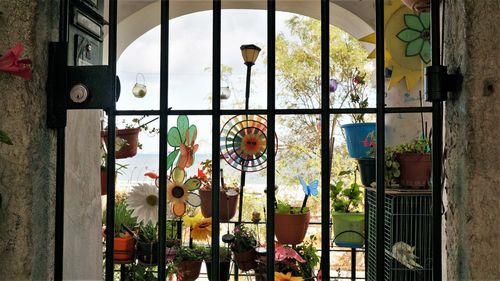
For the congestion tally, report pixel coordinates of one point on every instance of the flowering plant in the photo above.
(244, 239)
(11, 63)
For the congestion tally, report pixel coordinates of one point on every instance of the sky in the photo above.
(190, 61)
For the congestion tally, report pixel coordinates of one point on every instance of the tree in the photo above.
(298, 67)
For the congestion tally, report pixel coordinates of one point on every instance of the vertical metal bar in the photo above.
(437, 145)
(271, 120)
(216, 61)
(353, 264)
(60, 163)
(110, 199)
(325, 142)
(380, 163)
(162, 207)
(59, 223)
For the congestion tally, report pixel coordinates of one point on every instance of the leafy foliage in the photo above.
(286, 208)
(346, 198)
(307, 251)
(185, 253)
(122, 216)
(298, 65)
(392, 165)
(148, 232)
(244, 239)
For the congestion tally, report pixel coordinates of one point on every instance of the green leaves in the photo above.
(417, 36)
(4, 138)
(413, 22)
(171, 158)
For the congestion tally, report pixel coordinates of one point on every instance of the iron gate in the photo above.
(57, 113)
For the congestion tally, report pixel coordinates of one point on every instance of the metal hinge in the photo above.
(438, 83)
(76, 87)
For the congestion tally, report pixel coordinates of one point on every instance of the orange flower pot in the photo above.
(415, 169)
(124, 248)
(131, 136)
(291, 228)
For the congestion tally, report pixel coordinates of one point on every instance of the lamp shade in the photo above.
(250, 53)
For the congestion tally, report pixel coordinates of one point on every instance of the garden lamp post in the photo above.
(250, 54)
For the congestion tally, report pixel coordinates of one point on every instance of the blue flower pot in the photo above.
(355, 134)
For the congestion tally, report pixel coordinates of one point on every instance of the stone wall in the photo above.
(27, 168)
(472, 134)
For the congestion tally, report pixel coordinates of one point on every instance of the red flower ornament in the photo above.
(10, 62)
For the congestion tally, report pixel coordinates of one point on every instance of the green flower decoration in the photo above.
(184, 133)
(417, 35)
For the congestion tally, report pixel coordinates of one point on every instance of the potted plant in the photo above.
(366, 164)
(123, 241)
(348, 220)
(127, 139)
(297, 263)
(415, 163)
(188, 262)
(291, 223)
(147, 245)
(243, 247)
(224, 263)
(228, 195)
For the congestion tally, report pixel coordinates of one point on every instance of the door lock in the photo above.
(79, 93)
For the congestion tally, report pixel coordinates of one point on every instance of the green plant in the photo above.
(286, 208)
(244, 239)
(138, 123)
(185, 253)
(392, 165)
(346, 198)
(122, 217)
(224, 254)
(140, 272)
(148, 232)
(307, 251)
(4, 138)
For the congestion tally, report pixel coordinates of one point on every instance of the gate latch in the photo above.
(76, 87)
(438, 83)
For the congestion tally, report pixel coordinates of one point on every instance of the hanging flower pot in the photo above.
(348, 229)
(227, 204)
(188, 270)
(224, 267)
(147, 252)
(355, 136)
(291, 228)
(128, 139)
(415, 169)
(123, 248)
(418, 5)
(367, 171)
(246, 260)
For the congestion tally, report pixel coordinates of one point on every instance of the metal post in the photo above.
(380, 161)
(216, 66)
(325, 140)
(162, 206)
(243, 173)
(353, 264)
(110, 199)
(437, 145)
(271, 100)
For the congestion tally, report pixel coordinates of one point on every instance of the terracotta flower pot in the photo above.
(415, 169)
(291, 228)
(224, 267)
(124, 248)
(131, 136)
(227, 205)
(104, 182)
(418, 5)
(188, 270)
(246, 260)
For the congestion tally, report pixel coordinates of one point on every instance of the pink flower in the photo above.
(10, 62)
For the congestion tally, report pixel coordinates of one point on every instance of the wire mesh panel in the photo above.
(407, 235)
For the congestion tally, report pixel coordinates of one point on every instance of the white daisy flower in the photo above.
(143, 200)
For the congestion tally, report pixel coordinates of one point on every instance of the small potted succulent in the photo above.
(228, 195)
(348, 220)
(224, 263)
(123, 240)
(291, 222)
(243, 247)
(147, 244)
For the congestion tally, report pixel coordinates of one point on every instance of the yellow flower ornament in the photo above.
(201, 228)
(180, 192)
(278, 276)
